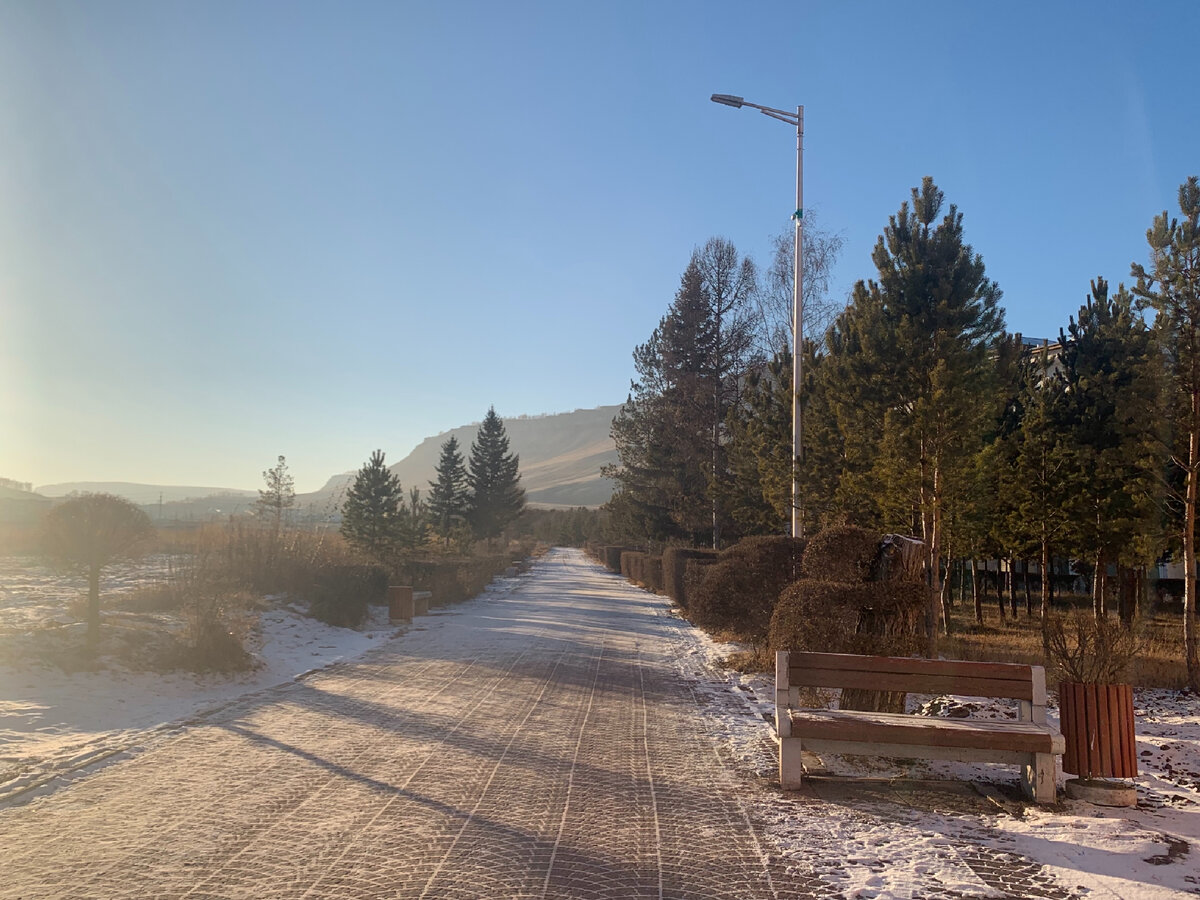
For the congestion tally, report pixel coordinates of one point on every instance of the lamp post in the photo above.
(797, 119)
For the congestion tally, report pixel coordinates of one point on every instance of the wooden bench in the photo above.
(1027, 741)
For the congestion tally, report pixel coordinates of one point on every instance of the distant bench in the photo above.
(1027, 742)
(404, 603)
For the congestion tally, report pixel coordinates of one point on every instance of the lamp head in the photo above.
(728, 100)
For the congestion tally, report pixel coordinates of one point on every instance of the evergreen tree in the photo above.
(450, 494)
(1111, 389)
(1040, 480)
(371, 513)
(495, 479)
(758, 494)
(1172, 288)
(279, 495)
(913, 373)
(671, 433)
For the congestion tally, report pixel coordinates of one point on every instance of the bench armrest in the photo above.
(783, 722)
(1035, 710)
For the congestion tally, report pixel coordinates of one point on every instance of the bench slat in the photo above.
(895, 728)
(913, 683)
(910, 664)
(894, 673)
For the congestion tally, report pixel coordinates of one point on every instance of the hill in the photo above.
(561, 456)
(141, 494)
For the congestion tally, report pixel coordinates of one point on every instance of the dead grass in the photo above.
(1159, 664)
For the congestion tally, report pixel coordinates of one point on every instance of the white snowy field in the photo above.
(866, 841)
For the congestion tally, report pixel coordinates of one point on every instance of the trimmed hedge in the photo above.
(740, 590)
(652, 574)
(843, 554)
(612, 557)
(876, 618)
(631, 564)
(452, 580)
(674, 570)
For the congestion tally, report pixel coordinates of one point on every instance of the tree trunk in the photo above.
(1025, 582)
(935, 552)
(1191, 651)
(1098, 582)
(93, 606)
(1000, 594)
(1127, 591)
(1012, 586)
(1046, 580)
(975, 595)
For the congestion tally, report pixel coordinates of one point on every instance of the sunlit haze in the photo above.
(233, 230)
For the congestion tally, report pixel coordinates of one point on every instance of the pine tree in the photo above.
(371, 513)
(1039, 468)
(495, 479)
(1112, 416)
(450, 494)
(1172, 288)
(913, 373)
(279, 495)
(671, 433)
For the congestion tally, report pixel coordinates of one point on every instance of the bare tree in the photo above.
(774, 299)
(87, 532)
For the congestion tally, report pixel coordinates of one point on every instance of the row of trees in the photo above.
(468, 499)
(923, 415)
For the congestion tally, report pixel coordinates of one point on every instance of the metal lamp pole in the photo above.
(797, 119)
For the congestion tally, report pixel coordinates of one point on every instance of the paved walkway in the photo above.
(535, 744)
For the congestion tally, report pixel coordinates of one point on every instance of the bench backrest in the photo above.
(794, 669)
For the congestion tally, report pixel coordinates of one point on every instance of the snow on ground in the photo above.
(886, 840)
(53, 721)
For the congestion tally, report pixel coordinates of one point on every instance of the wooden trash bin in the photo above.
(1097, 723)
(421, 602)
(400, 602)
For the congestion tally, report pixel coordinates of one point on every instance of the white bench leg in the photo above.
(1038, 779)
(791, 764)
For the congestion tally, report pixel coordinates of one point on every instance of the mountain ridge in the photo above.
(560, 453)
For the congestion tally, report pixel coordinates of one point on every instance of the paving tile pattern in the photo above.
(535, 744)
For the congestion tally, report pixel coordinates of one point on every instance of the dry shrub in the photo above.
(340, 594)
(843, 554)
(674, 563)
(216, 626)
(877, 618)
(1080, 647)
(741, 588)
(267, 560)
(218, 617)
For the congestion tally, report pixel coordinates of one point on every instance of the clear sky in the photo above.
(233, 229)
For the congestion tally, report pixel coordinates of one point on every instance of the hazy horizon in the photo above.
(233, 231)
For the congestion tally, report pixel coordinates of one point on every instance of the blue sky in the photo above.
(230, 230)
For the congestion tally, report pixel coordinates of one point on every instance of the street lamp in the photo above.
(797, 119)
